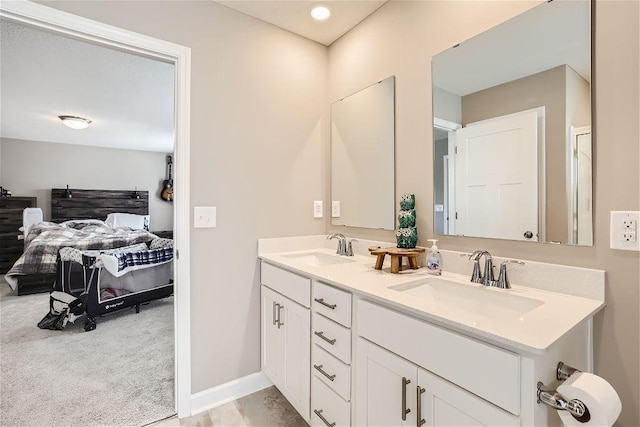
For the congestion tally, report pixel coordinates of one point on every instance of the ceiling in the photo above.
(294, 15)
(129, 98)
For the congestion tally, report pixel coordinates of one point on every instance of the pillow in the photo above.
(133, 221)
(81, 223)
(161, 243)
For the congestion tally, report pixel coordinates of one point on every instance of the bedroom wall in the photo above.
(258, 122)
(401, 37)
(31, 168)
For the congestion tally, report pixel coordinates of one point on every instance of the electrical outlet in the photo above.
(624, 234)
(317, 209)
(335, 209)
(629, 236)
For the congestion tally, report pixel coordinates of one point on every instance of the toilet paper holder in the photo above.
(550, 396)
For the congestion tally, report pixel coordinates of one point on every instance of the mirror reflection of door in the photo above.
(496, 178)
(580, 219)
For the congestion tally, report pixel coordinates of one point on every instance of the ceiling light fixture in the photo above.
(320, 13)
(75, 122)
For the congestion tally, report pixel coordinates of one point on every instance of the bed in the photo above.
(35, 270)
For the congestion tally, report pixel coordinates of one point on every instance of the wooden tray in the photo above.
(396, 255)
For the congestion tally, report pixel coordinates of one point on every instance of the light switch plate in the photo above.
(317, 209)
(335, 209)
(624, 230)
(204, 217)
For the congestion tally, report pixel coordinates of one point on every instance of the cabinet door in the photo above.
(296, 328)
(445, 404)
(272, 343)
(381, 383)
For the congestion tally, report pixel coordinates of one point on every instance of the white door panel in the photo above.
(496, 178)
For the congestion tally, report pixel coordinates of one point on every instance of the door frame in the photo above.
(450, 212)
(53, 20)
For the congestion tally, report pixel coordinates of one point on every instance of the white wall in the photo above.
(401, 37)
(30, 168)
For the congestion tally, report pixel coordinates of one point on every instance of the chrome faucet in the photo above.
(342, 243)
(477, 277)
(349, 251)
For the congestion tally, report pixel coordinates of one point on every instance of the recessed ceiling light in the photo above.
(320, 13)
(75, 122)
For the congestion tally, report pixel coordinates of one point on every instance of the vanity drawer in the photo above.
(334, 338)
(333, 303)
(486, 371)
(289, 284)
(338, 375)
(328, 405)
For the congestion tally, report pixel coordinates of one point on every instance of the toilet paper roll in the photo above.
(599, 397)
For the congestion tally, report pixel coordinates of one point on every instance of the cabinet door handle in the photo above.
(322, 371)
(321, 301)
(324, 420)
(419, 419)
(405, 410)
(280, 323)
(321, 335)
(275, 321)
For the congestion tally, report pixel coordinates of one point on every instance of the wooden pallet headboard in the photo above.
(96, 204)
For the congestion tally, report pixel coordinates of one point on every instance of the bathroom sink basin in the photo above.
(475, 300)
(318, 259)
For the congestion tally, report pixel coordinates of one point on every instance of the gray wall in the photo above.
(258, 137)
(401, 37)
(441, 148)
(30, 168)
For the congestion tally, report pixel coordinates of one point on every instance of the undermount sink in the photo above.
(472, 299)
(318, 259)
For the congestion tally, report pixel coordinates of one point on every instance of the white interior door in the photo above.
(496, 178)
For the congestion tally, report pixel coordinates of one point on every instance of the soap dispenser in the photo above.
(434, 259)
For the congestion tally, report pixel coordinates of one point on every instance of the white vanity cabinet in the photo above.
(285, 335)
(391, 391)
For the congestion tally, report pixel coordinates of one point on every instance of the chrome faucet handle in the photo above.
(475, 256)
(476, 276)
(349, 251)
(503, 280)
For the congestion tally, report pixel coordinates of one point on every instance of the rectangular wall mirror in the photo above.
(512, 129)
(363, 158)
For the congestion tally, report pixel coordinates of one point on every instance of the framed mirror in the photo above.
(363, 158)
(512, 129)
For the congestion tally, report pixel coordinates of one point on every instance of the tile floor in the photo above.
(265, 408)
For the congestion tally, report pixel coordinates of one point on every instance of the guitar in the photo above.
(167, 184)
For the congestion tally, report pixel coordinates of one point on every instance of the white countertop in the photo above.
(533, 332)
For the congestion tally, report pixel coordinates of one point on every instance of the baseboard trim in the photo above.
(228, 392)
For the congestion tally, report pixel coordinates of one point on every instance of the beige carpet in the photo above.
(121, 374)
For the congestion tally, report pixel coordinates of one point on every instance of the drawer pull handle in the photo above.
(324, 420)
(321, 301)
(275, 320)
(405, 410)
(319, 369)
(321, 335)
(419, 419)
(280, 323)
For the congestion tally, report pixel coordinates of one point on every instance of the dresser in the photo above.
(10, 221)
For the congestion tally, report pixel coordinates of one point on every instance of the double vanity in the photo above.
(347, 344)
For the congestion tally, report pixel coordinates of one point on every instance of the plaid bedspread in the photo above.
(47, 238)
